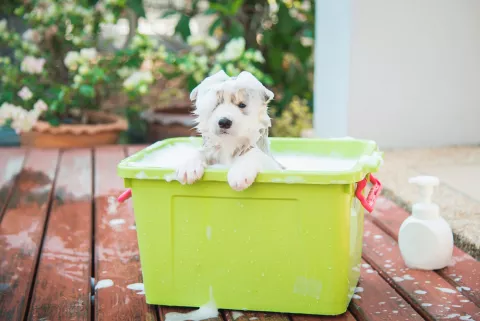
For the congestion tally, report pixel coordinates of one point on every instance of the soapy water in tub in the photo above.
(171, 156)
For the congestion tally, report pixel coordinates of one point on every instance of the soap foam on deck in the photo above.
(206, 311)
(170, 156)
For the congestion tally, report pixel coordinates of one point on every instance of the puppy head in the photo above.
(232, 108)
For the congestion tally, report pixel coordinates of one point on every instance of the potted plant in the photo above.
(52, 91)
(172, 117)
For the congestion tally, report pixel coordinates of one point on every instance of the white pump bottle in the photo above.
(425, 238)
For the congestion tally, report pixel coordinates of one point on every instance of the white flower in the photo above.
(83, 70)
(212, 43)
(32, 65)
(25, 93)
(195, 40)
(71, 60)
(77, 79)
(109, 17)
(68, 6)
(306, 41)
(233, 50)
(3, 25)
(76, 40)
(88, 29)
(258, 57)
(88, 53)
(31, 36)
(100, 6)
(216, 68)
(198, 76)
(81, 11)
(139, 41)
(21, 120)
(143, 89)
(40, 106)
(203, 62)
(232, 70)
(137, 78)
(124, 72)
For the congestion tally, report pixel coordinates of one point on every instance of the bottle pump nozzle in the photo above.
(426, 183)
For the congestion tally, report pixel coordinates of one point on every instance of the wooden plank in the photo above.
(21, 232)
(255, 316)
(163, 310)
(11, 162)
(464, 272)
(116, 247)
(344, 317)
(376, 300)
(258, 316)
(62, 285)
(431, 295)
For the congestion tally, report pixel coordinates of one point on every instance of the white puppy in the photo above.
(233, 120)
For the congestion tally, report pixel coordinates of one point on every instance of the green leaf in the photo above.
(137, 7)
(6, 96)
(308, 33)
(61, 108)
(54, 121)
(275, 57)
(286, 24)
(195, 3)
(300, 51)
(235, 6)
(191, 84)
(209, 12)
(183, 27)
(98, 74)
(236, 29)
(217, 23)
(169, 12)
(87, 91)
(54, 106)
(219, 8)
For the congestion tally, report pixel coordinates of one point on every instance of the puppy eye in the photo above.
(242, 105)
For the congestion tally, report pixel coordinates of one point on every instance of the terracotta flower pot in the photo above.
(176, 121)
(106, 130)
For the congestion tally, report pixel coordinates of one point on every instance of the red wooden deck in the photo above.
(56, 234)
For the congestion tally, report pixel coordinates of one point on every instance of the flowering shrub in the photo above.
(282, 30)
(295, 118)
(57, 74)
(204, 59)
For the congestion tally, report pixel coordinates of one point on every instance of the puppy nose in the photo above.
(225, 123)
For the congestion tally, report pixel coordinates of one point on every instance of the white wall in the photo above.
(415, 72)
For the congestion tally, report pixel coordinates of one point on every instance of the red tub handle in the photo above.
(369, 202)
(125, 196)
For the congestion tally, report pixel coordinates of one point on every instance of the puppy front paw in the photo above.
(241, 177)
(190, 171)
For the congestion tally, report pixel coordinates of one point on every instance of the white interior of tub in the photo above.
(171, 156)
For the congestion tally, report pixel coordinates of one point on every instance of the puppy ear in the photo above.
(194, 93)
(250, 79)
(268, 95)
(205, 85)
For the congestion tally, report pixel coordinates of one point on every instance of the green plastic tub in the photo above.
(291, 243)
